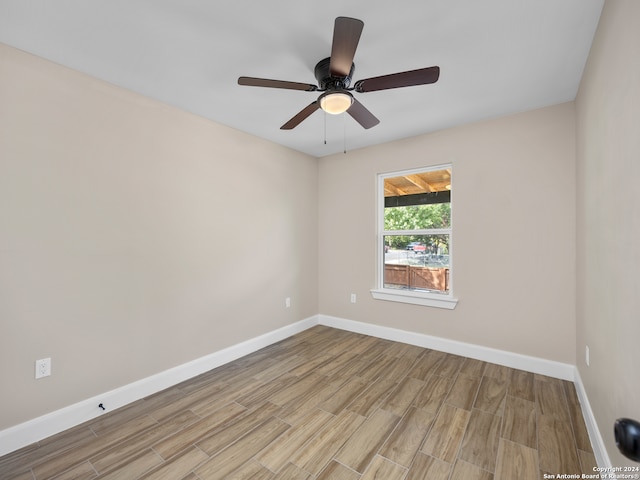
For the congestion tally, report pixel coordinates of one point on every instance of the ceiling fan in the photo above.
(334, 76)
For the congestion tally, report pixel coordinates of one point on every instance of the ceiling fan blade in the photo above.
(264, 82)
(346, 35)
(422, 76)
(300, 116)
(361, 115)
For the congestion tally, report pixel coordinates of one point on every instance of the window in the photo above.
(414, 237)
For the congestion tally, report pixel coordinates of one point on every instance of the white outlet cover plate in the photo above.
(43, 367)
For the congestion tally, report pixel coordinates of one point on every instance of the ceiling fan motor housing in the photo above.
(328, 82)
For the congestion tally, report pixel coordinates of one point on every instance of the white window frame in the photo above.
(429, 299)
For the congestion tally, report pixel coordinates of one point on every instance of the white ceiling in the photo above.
(497, 57)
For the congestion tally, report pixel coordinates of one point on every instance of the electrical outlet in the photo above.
(586, 355)
(353, 298)
(287, 302)
(43, 367)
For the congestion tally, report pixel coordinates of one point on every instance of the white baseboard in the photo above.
(26, 433)
(597, 442)
(542, 366)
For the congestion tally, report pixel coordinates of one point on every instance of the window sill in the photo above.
(415, 298)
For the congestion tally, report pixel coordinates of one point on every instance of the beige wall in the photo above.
(608, 228)
(136, 237)
(514, 233)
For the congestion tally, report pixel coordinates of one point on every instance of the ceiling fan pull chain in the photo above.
(325, 127)
(344, 140)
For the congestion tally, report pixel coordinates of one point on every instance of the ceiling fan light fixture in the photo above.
(336, 103)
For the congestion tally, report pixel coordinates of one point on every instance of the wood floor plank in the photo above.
(449, 366)
(311, 364)
(398, 369)
(279, 452)
(406, 350)
(377, 368)
(297, 389)
(296, 409)
(537, 377)
(26, 475)
(579, 427)
(570, 392)
(169, 445)
(480, 443)
(424, 366)
(426, 467)
(251, 470)
(108, 458)
(212, 403)
(336, 471)
(291, 472)
(381, 468)
(557, 449)
(316, 453)
(445, 437)
(365, 442)
(519, 424)
(279, 368)
(371, 398)
(434, 392)
(352, 344)
(106, 424)
(516, 461)
(463, 392)
(23, 459)
(343, 396)
(405, 441)
(466, 471)
(491, 395)
(238, 427)
(262, 393)
(521, 385)
(71, 457)
(218, 376)
(74, 436)
(190, 476)
(179, 466)
(135, 466)
(337, 363)
(185, 402)
(221, 465)
(499, 372)
(587, 461)
(84, 471)
(348, 369)
(403, 396)
(551, 400)
(472, 367)
(370, 348)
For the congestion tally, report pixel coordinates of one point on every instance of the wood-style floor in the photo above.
(329, 404)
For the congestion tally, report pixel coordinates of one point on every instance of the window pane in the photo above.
(417, 262)
(418, 217)
(418, 200)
